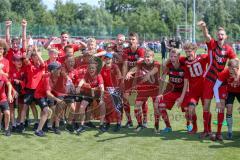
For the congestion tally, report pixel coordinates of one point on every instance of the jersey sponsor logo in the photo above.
(176, 80)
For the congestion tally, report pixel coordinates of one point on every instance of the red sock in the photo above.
(210, 123)
(165, 118)
(194, 121)
(220, 121)
(138, 116)
(145, 111)
(205, 120)
(127, 112)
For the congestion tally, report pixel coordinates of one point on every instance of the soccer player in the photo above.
(196, 67)
(34, 69)
(93, 80)
(231, 77)
(118, 50)
(15, 42)
(177, 78)
(219, 52)
(60, 46)
(147, 74)
(17, 79)
(5, 99)
(4, 63)
(131, 56)
(112, 77)
(52, 57)
(42, 92)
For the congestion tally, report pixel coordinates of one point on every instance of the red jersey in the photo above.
(232, 86)
(143, 69)
(176, 76)
(62, 54)
(43, 87)
(111, 75)
(12, 52)
(5, 64)
(81, 65)
(19, 75)
(93, 81)
(3, 82)
(132, 57)
(59, 87)
(218, 57)
(195, 69)
(33, 75)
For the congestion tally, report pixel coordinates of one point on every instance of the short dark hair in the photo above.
(67, 47)
(64, 32)
(133, 34)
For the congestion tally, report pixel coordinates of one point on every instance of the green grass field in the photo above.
(127, 144)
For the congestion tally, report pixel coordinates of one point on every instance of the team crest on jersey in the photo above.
(223, 52)
(181, 73)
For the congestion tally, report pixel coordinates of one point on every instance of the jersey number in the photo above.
(195, 70)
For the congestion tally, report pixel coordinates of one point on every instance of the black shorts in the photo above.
(29, 96)
(231, 97)
(4, 106)
(80, 98)
(42, 102)
(69, 99)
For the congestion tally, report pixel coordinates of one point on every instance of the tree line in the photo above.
(152, 19)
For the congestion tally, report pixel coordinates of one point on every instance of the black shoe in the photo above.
(13, 129)
(45, 127)
(76, 126)
(35, 126)
(102, 128)
(107, 126)
(90, 125)
(26, 123)
(7, 133)
(39, 133)
(80, 129)
(70, 128)
(20, 128)
(62, 123)
(117, 128)
(50, 129)
(139, 128)
(57, 130)
(129, 124)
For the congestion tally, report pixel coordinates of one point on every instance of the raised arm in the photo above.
(204, 29)
(8, 24)
(47, 44)
(24, 34)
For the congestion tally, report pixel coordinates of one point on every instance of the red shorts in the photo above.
(208, 90)
(195, 93)
(146, 91)
(169, 100)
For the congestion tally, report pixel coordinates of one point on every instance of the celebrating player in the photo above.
(219, 52)
(231, 77)
(147, 73)
(196, 66)
(177, 78)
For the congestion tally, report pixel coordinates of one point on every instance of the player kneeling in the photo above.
(146, 84)
(43, 94)
(231, 77)
(177, 78)
(93, 81)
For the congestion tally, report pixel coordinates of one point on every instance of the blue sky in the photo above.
(50, 3)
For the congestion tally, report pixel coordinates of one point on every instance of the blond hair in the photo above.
(190, 46)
